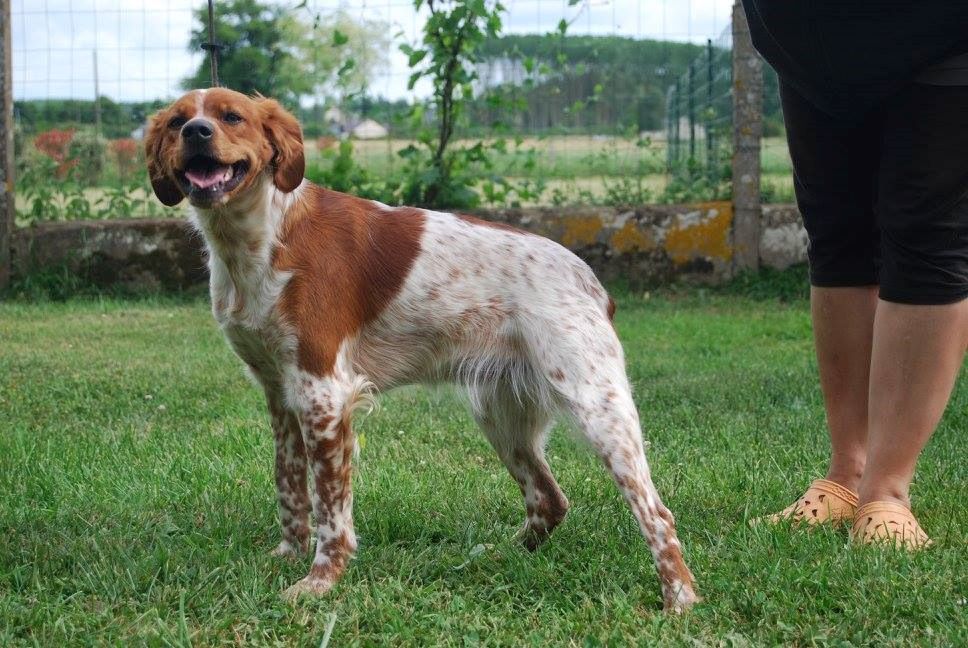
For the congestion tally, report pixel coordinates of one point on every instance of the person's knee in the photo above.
(925, 265)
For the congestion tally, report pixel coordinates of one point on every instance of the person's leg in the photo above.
(843, 326)
(921, 324)
(834, 178)
(917, 354)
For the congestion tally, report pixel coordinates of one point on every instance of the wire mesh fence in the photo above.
(584, 109)
(699, 129)
(699, 121)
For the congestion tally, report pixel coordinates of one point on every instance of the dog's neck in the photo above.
(247, 224)
(240, 238)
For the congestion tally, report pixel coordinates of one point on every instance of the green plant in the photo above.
(339, 171)
(693, 181)
(89, 151)
(34, 183)
(438, 174)
(70, 199)
(47, 200)
(51, 283)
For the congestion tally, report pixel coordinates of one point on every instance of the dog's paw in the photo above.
(311, 586)
(680, 600)
(286, 549)
(530, 537)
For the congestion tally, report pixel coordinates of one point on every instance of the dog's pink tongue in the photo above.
(206, 179)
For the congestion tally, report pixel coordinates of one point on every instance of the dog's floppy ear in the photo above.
(285, 135)
(165, 188)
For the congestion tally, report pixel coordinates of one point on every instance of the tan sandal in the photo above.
(888, 523)
(824, 502)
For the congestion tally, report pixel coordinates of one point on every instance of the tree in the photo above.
(273, 50)
(259, 50)
(342, 54)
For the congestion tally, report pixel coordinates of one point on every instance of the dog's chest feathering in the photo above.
(244, 286)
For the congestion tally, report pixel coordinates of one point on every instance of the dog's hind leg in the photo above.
(517, 429)
(584, 363)
(608, 419)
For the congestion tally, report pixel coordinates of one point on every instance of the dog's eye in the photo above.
(177, 122)
(232, 118)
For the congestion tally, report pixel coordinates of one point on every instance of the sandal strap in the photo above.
(892, 508)
(835, 489)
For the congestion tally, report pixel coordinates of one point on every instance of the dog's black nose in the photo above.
(197, 131)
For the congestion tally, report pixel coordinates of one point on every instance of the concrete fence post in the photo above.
(747, 133)
(6, 146)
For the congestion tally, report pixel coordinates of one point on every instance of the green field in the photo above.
(137, 503)
(575, 169)
(579, 167)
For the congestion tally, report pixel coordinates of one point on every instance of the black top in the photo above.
(845, 56)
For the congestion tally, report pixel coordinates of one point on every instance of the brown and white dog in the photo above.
(326, 297)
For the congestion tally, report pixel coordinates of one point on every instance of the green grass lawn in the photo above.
(137, 502)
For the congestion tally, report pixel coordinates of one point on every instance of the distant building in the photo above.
(344, 125)
(369, 129)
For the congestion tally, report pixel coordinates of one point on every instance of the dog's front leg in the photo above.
(324, 407)
(291, 485)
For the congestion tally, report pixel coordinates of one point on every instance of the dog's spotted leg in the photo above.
(291, 484)
(324, 407)
(518, 429)
(586, 368)
(612, 426)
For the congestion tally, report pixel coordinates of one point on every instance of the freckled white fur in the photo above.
(474, 307)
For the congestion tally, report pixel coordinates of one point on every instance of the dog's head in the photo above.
(212, 145)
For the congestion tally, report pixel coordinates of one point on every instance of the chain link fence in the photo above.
(699, 129)
(699, 122)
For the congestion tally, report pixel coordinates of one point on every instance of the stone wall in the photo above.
(141, 255)
(648, 245)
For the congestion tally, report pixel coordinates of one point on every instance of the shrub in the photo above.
(56, 144)
(88, 149)
(126, 155)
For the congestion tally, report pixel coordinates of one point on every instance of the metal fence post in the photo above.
(677, 116)
(6, 146)
(670, 133)
(710, 136)
(692, 111)
(747, 133)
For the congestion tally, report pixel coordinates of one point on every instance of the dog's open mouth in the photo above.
(206, 179)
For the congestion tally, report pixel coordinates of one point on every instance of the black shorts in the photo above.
(885, 200)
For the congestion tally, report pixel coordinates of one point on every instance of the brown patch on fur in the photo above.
(610, 309)
(551, 506)
(349, 259)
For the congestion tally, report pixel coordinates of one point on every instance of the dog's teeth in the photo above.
(228, 174)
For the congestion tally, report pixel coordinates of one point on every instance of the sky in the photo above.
(141, 46)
